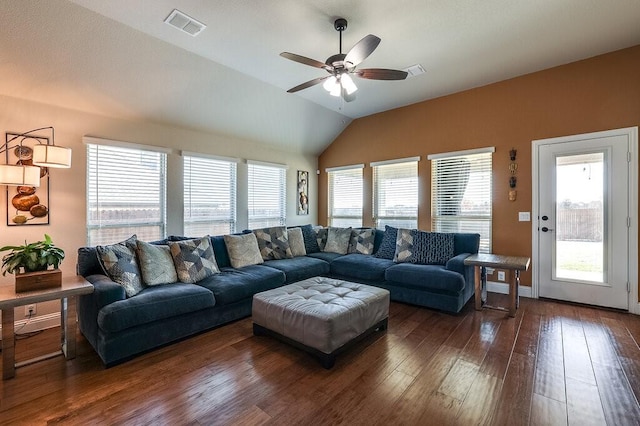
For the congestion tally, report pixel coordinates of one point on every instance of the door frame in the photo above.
(632, 208)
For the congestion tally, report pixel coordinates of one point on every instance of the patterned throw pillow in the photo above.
(310, 241)
(321, 238)
(119, 263)
(194, 259)
(338, 240)
(296, 242)
(273, 243)
(243, 250)
(362, 241)
(432, 248)
(387, 247)
(156, 264)
(404, 246)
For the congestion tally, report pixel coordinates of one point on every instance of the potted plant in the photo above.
(30, 263)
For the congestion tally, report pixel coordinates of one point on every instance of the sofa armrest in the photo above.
(105, 291)
(456, 263)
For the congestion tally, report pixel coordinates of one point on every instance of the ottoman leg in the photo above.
(327, 360)
(382, 325)
(258, 330)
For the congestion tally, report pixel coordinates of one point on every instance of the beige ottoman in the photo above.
(321, 315)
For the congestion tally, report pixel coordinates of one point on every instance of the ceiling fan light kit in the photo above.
(340, 67)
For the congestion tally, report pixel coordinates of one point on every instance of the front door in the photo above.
(583, 218)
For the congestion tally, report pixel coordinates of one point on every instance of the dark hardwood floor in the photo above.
(553, 364)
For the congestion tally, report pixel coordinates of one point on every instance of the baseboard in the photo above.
(503, 288)
(37, 323)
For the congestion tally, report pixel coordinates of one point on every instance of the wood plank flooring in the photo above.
(553, 364)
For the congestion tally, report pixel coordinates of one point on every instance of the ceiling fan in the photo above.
(341, 66)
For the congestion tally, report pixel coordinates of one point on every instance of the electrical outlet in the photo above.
(30, 310)
(500, 275)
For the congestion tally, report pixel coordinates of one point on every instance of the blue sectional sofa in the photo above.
(120, 327)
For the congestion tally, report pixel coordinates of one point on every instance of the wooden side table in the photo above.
(482, 261)
(72, 286)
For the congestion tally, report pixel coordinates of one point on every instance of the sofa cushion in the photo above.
(119, 263)
(360, 266)
(321, 237)
(404, 246)
(326, 256)
(243, 250)
(338, 240)
(193, 259)
(387, 247)
(300, 268)
(464, 242)
(273, 243)
(362, 241)
(432, 248)
(431, 277)
(310, 239)
(232, 285)
(296, 242)
(156, 264)
(154, 304)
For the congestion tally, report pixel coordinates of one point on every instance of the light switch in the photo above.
(524, 216)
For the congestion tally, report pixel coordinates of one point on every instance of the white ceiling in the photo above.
(120, 59)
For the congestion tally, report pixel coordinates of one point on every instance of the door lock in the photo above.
(545, 229)
(545, 217)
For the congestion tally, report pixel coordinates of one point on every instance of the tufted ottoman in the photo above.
(321, 315)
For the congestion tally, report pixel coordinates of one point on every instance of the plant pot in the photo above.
(38, 280)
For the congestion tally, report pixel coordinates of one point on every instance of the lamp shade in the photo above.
(19, 175)
(52, 156)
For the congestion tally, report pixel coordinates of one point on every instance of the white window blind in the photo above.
(267, 195)
(345, 196)
(126, 194)
(395, 194)
(461, 194)
(209, 196)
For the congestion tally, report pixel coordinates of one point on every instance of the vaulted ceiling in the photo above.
(118, 57)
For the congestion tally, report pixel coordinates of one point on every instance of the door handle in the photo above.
(545, 229)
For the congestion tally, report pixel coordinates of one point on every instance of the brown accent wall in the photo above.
(595, 94)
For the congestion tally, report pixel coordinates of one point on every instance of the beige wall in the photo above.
(597, 94)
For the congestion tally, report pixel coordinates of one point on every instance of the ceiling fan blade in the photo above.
(304, 60)
(307, 84)
(381, 74)
(362, 49)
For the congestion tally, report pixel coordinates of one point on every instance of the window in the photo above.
(461, 193)
(126, 192)
(267, 195)
(345, 196)
(209, 195)
(395, 193)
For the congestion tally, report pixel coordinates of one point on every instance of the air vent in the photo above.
(185, 23)
(414, 70)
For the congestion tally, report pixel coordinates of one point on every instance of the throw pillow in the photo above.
(321, 238)
(243, 250)
(310, 239)
(119, 263)
(404, 246)
(338, 240)
(296, 242)
(432, 248)
(273, 243)
(387, 247)
(156, 264)
(194, 259)
(362, 241)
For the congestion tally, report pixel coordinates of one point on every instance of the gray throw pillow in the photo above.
(432, 248)
(194, 259)
(404, 246)
(362, 241)
(156, 264)
(296, 242)
(243, 250)
(119, 263)
(338, 240)
(321, 238)
(273, 243)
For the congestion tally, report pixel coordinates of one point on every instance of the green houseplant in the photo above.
(37, 256)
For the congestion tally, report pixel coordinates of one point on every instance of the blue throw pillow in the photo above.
(310, 241)
(388, 245)
(432, 248)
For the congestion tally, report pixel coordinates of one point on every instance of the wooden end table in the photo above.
(481, 262)
(72, 286)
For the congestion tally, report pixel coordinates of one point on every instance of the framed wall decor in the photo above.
(27, 205)
(302, 195)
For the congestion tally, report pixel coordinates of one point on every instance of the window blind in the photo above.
(266, 195)
(461, 195)
(209, 196)
(395, 194)
(126, 194)
(345, 197)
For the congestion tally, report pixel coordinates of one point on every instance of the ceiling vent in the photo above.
(414, 70)
(185, 23)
